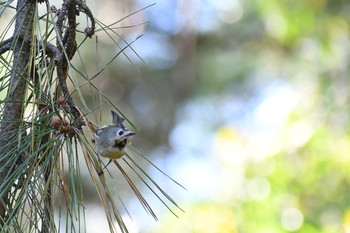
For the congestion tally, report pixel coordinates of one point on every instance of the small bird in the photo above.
(111, 140)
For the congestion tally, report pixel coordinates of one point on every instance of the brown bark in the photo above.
(13, 109)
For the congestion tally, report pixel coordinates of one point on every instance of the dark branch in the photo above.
(6, 45)
(67, 46)
(54, 53)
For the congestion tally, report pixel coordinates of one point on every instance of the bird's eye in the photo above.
(121, 133)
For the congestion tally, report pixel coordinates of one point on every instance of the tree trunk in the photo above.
(13, 109)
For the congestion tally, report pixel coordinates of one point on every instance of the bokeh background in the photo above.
(244, 102)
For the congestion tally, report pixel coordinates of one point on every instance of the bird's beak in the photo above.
(130, 134)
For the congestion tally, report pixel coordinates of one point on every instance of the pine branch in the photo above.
(6, 45)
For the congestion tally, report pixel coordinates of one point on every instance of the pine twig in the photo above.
(6, 45)
(66, 44)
